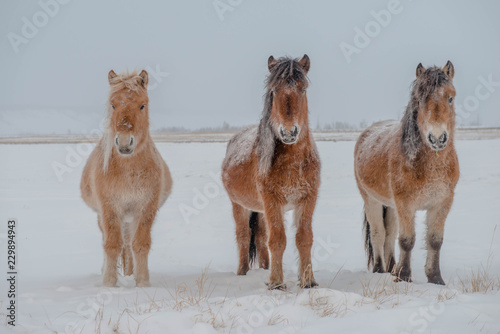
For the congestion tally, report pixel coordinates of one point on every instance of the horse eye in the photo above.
(450, 100)
(142, 107)
(303, 91)
(113, 106)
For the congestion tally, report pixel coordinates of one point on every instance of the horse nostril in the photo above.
(131, 140)
(443, 138)
(116, 141)
(432, 139)
(294, 131)
(282, 131)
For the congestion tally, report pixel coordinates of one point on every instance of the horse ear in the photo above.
(305, 62)
(271, 62)
(144, 78)
(420, 69)
(111, 76)
(449, 69)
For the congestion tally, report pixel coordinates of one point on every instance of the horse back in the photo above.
(240, 169)
(372, 155)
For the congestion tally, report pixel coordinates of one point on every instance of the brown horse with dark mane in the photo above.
(402, 167)
(272, 168)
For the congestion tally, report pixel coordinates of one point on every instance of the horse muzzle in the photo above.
(289, 136)
(125, 144)
(438, 144)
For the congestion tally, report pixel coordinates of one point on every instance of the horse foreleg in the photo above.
(141, 244)
(391, 233)
(304, 241)
(243, 235)
(435, 220)
(112, 237)
(261, 242)
(277, 241)
(406, 218)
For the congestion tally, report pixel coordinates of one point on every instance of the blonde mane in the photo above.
(128, 80)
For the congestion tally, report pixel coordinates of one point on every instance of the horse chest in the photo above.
(136, 186)
(290, 183)
(430, 185)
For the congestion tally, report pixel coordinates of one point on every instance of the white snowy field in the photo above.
(193, 258)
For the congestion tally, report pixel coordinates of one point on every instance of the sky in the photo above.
(208, 59)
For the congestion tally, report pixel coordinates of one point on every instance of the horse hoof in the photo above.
(378, 269)
(308, 285)
(109, 284)
(405, 278)
(109, 281)
(242, 272)
(436, 280)
(276, 286)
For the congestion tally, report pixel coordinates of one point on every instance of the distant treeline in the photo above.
(225, 127)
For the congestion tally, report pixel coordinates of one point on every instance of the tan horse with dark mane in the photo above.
(125, 180)
(402, 167)
(272, 168)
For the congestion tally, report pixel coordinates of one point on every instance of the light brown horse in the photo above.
(272, 168)
(402, 167)
(125, 180)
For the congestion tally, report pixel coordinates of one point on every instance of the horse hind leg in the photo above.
(375, 235)
(391, 233)
(261, 242)
(243, 237)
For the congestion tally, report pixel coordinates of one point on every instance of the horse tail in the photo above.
(368, 242)
(368, 239)
(252, 249)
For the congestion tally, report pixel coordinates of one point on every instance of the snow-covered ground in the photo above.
(193, 258)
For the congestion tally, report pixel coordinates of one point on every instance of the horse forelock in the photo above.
(427, 83)
(129, 80)
(288, 72)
